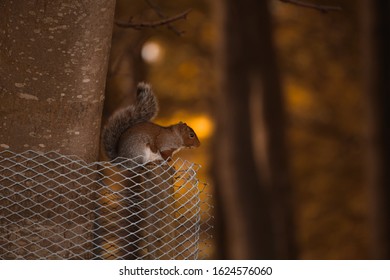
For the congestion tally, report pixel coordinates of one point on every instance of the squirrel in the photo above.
(129, 133)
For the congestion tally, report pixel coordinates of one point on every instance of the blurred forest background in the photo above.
(290, 100)
(321, 81)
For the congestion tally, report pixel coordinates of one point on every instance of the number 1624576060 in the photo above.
(242, 270)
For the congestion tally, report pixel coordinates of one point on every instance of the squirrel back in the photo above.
(144, 110)
(147, 142)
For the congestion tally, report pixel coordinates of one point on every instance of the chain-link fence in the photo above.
(59, 207)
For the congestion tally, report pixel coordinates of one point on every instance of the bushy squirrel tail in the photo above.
(145, 109)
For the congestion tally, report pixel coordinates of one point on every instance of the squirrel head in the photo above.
(190, 139)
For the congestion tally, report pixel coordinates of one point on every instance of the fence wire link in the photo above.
(59, 207)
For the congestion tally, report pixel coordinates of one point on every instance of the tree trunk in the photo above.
(53, 65)
(53, 62)
(376, 65)
(254, 188)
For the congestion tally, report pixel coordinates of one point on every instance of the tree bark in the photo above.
(53, 62)
(254, 188)
(376, 65)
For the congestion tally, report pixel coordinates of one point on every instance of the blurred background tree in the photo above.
(308, 65)
(320, 63)
(376, 61)
(250, 172)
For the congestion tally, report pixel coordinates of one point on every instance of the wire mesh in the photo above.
(59, 207)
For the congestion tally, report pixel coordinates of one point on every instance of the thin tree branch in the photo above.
(152, 24)
(321, 8)
(158, 11)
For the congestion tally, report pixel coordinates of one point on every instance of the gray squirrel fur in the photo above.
(145, 109)
(129, 133)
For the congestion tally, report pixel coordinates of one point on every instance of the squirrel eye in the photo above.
(192, 135)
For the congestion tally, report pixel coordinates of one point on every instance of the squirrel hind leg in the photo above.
(149, 155)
